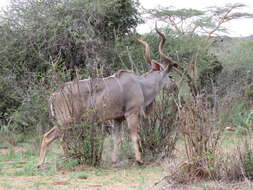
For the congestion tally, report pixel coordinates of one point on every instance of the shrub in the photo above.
(243, 122)
(10, 98)
(84, 142)
(158, 134)
(246, 158)
(80, 33)
(201, 135)
(249, 92)
(44, 38)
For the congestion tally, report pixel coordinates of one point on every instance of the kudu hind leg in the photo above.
(48, 138)
(133, 125)
(116, 128)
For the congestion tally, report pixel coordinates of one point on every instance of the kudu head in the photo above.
(164, 68)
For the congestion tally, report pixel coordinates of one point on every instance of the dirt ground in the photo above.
(18, 172)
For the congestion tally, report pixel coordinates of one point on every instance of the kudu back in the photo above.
(122, 96)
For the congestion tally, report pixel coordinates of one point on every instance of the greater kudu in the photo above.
(122, 96)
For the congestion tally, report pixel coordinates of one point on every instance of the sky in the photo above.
(242, 27)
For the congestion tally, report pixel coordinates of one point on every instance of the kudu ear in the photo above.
(155, 66)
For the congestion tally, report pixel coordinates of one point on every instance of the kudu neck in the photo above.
(154, 78)
(151, 84)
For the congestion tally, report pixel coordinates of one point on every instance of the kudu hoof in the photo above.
(41, 166)
(120, 164)
(115, 165)
(139, 163)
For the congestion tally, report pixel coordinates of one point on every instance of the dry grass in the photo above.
(207, 185)
(228, 168)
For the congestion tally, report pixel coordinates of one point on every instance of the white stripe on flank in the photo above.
(52, 109)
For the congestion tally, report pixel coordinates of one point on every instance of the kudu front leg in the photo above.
(48, 138)
(133, 125)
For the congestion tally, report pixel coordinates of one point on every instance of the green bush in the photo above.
(32, 115)
(83, 142)
(247, 161)
(158, 134)
(75, 35)
(45, 43)
(249, 92)
(243, 122)
(10, 98)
